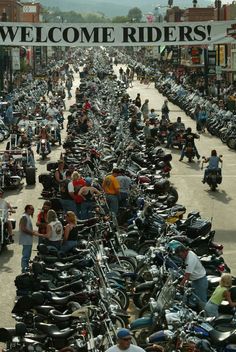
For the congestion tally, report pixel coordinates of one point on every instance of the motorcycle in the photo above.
(43, 150)
(213, 177)
(190, 152)
(4, 236)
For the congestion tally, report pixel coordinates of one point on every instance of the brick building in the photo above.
(199, 14)
(31, 12)
(11, 10)
(174, 14)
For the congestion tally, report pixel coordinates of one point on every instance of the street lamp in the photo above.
(218, 7)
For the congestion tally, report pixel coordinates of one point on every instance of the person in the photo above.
(70, 233)
(147, 133)
(8, 119)
(78, 183)
(213, 164)
(137, 101)
(88, 193)
(121, 73)
(68, 87)
(152, 115)
(194, 272)
(51, 110)
(4, 208)
(42, 219)
(43, 135)
(174, 129)
(221, 293)
(202, 119)
(55, 124)
(189, 138)
(54, 230)
(59, 175)
(125, 183)
(145, 109)
(26, 234)
(133, 126)
(111, 188)
(77, 95)
(124, 338)
(68, 193)
(50, 86)
(165, 109)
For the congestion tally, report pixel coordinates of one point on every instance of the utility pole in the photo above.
(2, 56)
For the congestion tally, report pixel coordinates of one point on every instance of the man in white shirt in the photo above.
(194, 272)
(51, 110)
(124, 338)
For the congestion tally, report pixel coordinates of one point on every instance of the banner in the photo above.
(143, 34)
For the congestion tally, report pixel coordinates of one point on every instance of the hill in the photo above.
(113, 8)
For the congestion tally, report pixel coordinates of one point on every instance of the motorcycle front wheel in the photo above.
(231, 142)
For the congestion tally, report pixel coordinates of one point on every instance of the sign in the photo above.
(15, 54)
(143, 34)
(29, 9)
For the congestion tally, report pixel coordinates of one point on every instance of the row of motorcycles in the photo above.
(220, 122)
(124, 271)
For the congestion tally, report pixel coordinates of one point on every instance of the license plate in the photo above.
(206, 327)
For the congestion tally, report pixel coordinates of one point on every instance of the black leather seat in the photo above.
(58, 316)
(44, 309)
(221, 338)
(53, 331)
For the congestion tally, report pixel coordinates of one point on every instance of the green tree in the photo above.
(120, 19)
(135, 14)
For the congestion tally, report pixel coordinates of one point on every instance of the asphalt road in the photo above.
(219, 206)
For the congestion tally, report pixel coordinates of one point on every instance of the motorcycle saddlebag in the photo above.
(27, 282)
(219, 180)
(198, 227)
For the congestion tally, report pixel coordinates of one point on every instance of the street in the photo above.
(218, 206)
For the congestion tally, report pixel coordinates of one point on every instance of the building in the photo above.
(174, 14)
(199, 14)
(11, 10)
(31, 12)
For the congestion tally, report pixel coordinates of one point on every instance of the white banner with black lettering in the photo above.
(143, 34)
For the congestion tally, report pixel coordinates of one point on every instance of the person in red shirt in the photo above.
(87, 106)
(78, 183)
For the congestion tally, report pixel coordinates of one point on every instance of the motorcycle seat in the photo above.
(53, 331)
(220, 338)
(61, 300)
(63, 266)
(43, 309)
(58, 316)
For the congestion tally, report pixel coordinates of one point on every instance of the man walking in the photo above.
(195, 272)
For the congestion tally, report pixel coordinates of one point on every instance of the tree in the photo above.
(120, 19)
(135, 14)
